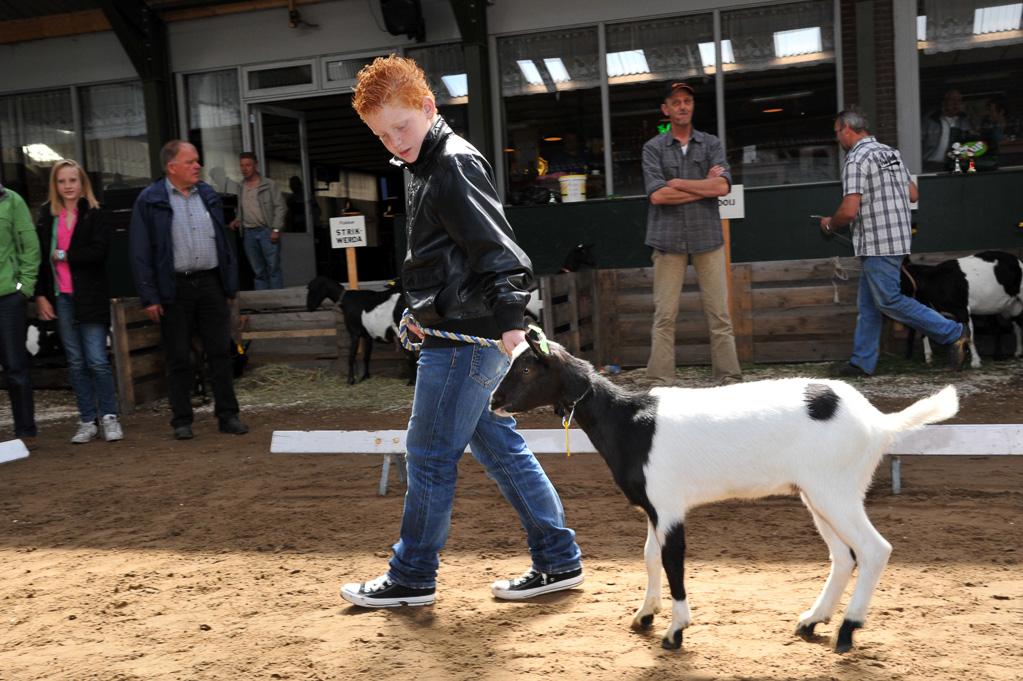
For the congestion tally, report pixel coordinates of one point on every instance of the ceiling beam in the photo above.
(54, 26)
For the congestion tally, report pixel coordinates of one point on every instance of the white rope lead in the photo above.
(412, 347)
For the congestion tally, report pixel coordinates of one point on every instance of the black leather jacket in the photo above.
(463, 270)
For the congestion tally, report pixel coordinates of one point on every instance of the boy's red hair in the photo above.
(390, 81)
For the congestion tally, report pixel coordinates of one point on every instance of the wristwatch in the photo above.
(61, 254)
(275, 231)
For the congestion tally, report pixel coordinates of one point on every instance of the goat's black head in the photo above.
(319, 289)
(542, 373)
(579, 256)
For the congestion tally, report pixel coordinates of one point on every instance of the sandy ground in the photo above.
(153, 559)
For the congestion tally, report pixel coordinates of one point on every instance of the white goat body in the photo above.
(672, 449)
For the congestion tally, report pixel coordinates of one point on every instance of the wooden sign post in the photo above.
(733, 206)
(349, 232)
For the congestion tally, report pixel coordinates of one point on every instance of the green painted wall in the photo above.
(976, 211)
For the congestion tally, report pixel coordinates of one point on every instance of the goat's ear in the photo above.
(537, 349)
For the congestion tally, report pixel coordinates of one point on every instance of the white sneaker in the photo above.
(112, 428)
(87, 430)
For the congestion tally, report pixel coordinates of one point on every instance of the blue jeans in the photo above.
(451, 410)
(879, 295)
(265, 258)
(85, 347)
(14, 358)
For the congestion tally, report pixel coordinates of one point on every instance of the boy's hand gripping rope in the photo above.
(411, 346)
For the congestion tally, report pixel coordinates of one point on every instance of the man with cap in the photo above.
(685, 171)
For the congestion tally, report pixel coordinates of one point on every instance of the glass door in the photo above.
(279, 142)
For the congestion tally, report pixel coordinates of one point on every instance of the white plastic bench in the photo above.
(958, 440)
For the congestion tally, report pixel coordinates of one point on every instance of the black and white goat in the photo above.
(986, 283)
(672, 449)
(369, 315)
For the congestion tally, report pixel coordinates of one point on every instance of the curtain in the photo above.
(114, 122)
(576, 48)
(950, 25)
(754, 33)
(671, 46)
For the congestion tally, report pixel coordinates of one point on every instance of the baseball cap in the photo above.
(670, 87)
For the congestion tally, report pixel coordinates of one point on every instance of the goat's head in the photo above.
(542, 373)
(319, 289)
(579, 256)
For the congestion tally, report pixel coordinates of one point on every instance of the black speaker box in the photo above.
(404, 17)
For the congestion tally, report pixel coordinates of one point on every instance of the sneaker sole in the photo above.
(509, 595)
(82, 442)
(364, 602)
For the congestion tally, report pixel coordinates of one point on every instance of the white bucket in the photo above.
(573, 188)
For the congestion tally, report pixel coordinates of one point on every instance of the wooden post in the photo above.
(726, 231)
(353, 270)
(122, 355)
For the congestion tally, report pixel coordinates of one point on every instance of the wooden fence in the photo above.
(782, 311)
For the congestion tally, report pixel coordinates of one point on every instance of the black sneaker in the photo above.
(534, 583)
(183, 433)
(846, 370)
(383, 593)
(233, 426)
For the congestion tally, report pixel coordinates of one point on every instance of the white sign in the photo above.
(733, 204)
(348, 232)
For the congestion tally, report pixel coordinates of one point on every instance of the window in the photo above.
(651, 53)
(36, 130)
(215, 125)
(444, 66)
(971, 65)
(116, 146)
(550, 89)
(780, 96)
(279, 79)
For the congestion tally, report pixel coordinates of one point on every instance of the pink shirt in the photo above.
(65, 229)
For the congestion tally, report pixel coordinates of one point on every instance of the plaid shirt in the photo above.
(883, 225)
(690, 227)
(194, 243)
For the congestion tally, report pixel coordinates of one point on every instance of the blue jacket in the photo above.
(152, 252)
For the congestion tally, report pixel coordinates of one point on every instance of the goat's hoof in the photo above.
(843, 640)
(805, 630)
(673, 643)
(643, 622)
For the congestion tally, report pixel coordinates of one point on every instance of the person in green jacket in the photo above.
(19, 267)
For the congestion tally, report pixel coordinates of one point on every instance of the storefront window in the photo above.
(36, 130)
(971, 67)
(116, 146)
(445, 72)
(641, 58)
(215, 125)
(780, 93)
(550, 88)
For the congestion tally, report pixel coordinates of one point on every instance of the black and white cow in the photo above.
(986, 283)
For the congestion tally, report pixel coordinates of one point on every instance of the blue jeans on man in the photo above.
(879, 296)
(15, 361)
(265, 258)
(85, 348)
(451, 410)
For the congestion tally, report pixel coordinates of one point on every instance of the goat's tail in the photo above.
(938, 407)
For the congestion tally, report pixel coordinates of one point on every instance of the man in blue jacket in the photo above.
(186, 276)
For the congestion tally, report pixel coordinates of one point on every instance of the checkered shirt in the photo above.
(192, 236)
(690, 227)
(877, 172)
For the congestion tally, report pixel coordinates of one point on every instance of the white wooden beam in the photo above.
(12, 450)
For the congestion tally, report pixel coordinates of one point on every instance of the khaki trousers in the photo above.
(669, 274)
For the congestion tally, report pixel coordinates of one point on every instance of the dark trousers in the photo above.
(200, 308)
(14, 358)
